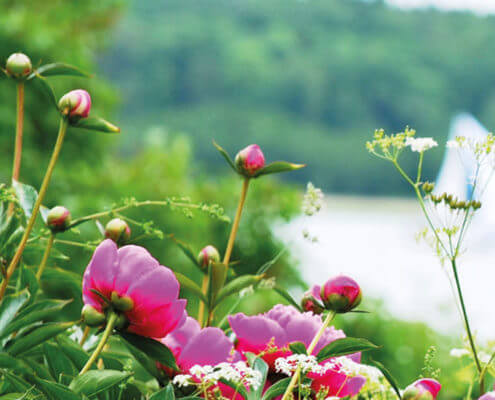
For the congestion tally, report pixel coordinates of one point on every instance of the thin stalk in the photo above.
(465, 316)
(16, 168)
(106, 334)
(45, 256)
(201, 308)
(85, 335)
(483, 374)
(314, 342)
(41, 195)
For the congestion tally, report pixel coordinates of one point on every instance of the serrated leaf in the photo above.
(277, 389)
(96, 381)
(236, 285)
(298, 348)
(225, 156)
(388, 376)
(167, 393)
(278, 167)
(96, 124)
(61, 69)
(9, 307)
(46, 89)
(188, 284)
(154, 349)
(282, 292)
(345, 346)
(37, 336)
(26, 195)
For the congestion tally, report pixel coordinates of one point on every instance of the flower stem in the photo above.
(314, 342)
(45, 257)
(466, 320)
(18, 137)
(106, 334)
(41, 195)
(85, 335)
(201, 308)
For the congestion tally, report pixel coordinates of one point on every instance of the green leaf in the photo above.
(388, 376)
(236, 285)
(12, 363)
(96, 124)
(148, 364)
(258, 365)
(12, 243)
(44, 213)
(345, 346)
(34, 313)
(266, 266)
(167, 393)
(26, 195)
(278, 167)
(10, 306)
(61, 69)
(282, 292)
(298, 348)
(226, 156)
(45, 88)
(278, 389)
(54, 391)
(96, 381)
(58, 363)
(188, 284)
(65, 283)
(37, 336)
(186, 249)
(19, 384)
(27, 280)
(218, 272)
(14, 396)
(154, 349)
(73, 351)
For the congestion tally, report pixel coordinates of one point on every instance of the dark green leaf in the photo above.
(10, 247)
(58, 363)
(154, 349)
(45, 88)
(12, 363)
(167, 393)
(37, 336)
(186, 249)
(188, 284)
(277, 389)
(282, 292)
(226, 156)
(96, 124)
(278, 167)
(236, 285)
(73, 351)
(344, 346)
(61, 69)
(97, 381)
(10, 306)
(388, 376)
(26, 195)
(63, 282)
(19, 384)
(218, 275)
(54, 391)
(147, 363)
(27, 280)
(266, 266)
(298, 348)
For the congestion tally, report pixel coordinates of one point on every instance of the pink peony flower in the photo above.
(341, 294)
(249, 160)
(76, 102)
(135, 285)
(488, 396)
(270, 334)
(422, 389)
(336, 383)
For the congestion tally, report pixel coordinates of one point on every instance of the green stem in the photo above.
(45, 256)
(465, 316)
(483, 374)
(314, 342)
(106, 334)
(41, 195)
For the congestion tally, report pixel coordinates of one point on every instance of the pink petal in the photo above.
(256, 332)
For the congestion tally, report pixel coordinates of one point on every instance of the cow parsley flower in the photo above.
(420, 144)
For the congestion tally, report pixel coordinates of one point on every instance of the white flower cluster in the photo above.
(288, 365)
(313, 199)
(237, 373)
(349, 367)
(420, 144)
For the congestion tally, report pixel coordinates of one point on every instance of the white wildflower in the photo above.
(420, 144)
(237, 373)
(458, 353)
(313, 199)
(182, 380)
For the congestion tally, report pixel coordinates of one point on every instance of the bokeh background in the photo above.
(309, 81)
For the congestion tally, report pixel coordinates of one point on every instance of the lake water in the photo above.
(373, 241)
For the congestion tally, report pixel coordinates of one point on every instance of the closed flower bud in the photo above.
(58, 219)
(488, 396)
(311, 300)
(76, 104)
(422, 389)
(91, 316)
(118, 230)
(18, 65)
(341, 294)
(428, 187)
(249, 160)
(207, 255)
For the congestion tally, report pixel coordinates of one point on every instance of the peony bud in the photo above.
(311, 300)
(422, 389)
(18, 65)
(91, 316)
(76, 104)
(123, 303)
(118, 230)
(341, 294)
(58, 219)
(488, 396)
(249, 160)
(207, 255)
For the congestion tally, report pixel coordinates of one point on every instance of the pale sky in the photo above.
(477, 6)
